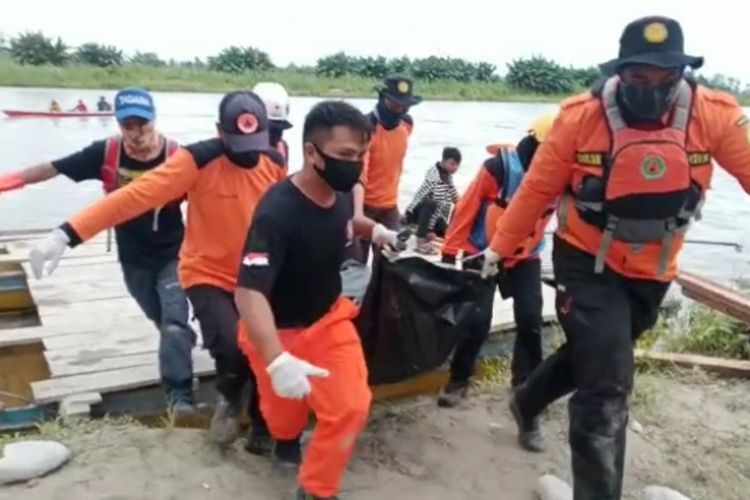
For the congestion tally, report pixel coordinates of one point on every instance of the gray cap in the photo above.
(243, 119)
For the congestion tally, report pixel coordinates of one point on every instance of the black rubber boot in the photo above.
(287, 454)
(259, 442)
(303, 495)
(224, 424)
(597, 443)
(529, 433)
(452, 394)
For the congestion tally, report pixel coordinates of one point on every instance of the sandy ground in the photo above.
(695, 438)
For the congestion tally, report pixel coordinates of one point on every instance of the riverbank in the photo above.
(299, 82)
(411, 450)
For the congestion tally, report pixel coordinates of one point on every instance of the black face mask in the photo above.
(386, 117)
(340, 174)
(275, 135)
(645, 102)
(245, 160)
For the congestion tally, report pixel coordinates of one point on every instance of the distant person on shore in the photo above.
(431, 206)
(102, 105)
(276, 99)
(54, 106)
(81, 107)
(223, 178)
(631, 161)
(376, 196)
(147, 245)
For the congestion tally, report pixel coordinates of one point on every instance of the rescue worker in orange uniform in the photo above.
(148, 245)
(297, 329)
(631, 161)
(474, 220)
(223, 178)
(376, 196)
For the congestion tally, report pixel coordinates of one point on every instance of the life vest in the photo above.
(509, 178)
(645, 191)
(112, 174)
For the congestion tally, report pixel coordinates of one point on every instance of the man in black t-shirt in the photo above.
(296, 327)
(148, 245)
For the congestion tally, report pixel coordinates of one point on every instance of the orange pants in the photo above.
(341, 401)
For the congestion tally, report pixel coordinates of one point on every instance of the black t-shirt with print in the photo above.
(151, 239)
(293, 254)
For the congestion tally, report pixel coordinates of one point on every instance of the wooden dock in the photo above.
(93, 340)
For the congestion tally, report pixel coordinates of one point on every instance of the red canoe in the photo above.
(48, 114)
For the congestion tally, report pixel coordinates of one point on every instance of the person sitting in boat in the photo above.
(102, 105)
(474, 220)
(81, 107)
(147, 245)
(54, 106)
(431, 206)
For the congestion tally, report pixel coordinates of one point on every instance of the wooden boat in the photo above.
(91, 351)
(15, 113)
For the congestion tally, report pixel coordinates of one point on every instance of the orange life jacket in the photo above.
(508, 175)
(645, 191)
(112, 174)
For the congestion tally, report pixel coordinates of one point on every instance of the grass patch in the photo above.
(713, 333)
(65, 430)
(494, 372)
(299, 82)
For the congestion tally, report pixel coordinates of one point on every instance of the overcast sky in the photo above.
(578, 32)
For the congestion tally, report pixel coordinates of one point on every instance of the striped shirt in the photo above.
(438, 186)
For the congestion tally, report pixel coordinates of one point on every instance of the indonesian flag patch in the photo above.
(255, 259)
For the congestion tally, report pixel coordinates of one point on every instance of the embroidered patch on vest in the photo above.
(653, 167)
(699, 158)
(590, 158)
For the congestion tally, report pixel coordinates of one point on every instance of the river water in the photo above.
(191, 116)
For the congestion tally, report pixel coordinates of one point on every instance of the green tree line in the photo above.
(535, 74)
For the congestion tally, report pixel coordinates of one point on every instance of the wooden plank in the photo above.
(55, 389)
(68, 326)
(715, 295)
(726, 367)
(67, 367)
(123, 333)
(124, 306)
(90, 354)
(79, 405)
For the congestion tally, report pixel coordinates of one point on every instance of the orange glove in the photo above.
(11, 181)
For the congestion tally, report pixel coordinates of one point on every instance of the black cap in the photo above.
(399, 88)
(243, 119)
(655, 41)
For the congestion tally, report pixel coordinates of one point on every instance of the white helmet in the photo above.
(276, 99)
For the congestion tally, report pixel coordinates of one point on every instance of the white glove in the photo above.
(289, 376)
(491, 262)
(382, 236)
(46, 255)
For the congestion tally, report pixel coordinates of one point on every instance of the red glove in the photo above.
(9, 182)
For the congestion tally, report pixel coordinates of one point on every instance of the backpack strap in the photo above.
(683, 104)
(611, 109)
(111, 163)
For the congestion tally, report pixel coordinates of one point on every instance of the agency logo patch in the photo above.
(655, 33)
(653, 167)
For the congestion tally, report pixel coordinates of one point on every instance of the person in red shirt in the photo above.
(81, 106)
